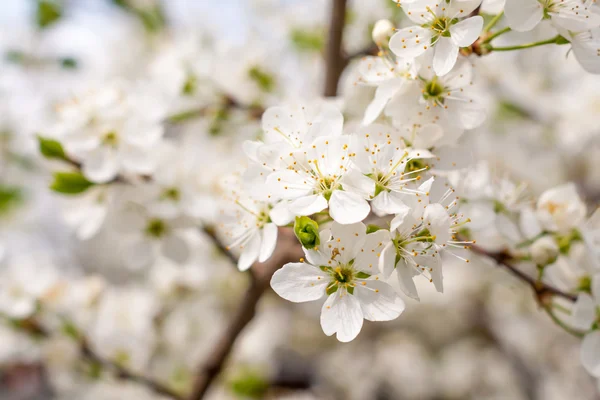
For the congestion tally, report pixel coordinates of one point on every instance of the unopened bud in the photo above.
(307, 232)
(382, 31)
(544, 251)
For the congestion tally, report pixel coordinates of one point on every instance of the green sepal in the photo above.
(350, 289)
(331, 289)
(362, 275)
(371, 228)
(70, 183)
(307, 232)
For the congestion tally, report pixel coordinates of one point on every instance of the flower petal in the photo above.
(467, 31)
(446, 53)
(348, 208)
(410, 42)
(523, 15)
(343, 315)
(590, 353)
(269, 240)
(176, 248)
(308, 205)
(299, 282)
(250, 252)
(379, 301)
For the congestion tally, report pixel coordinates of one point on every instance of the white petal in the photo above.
(288, 184)
(405, 279)
(379, 301)
(139, 253)
(446, 53)
(176, 248)
(342, 314)
(387, 261)
(101, 165)
(250, 252)
(300, 282)
(280, 214)
(348, 208)
(410, 42)
(308, 205)
(427, 136)
(356, 182)
(383, 94)
(584, 312)
(137, 159)
(269, 240)
(367, 259)
(389, 203)
(590, 353)
(523, 15)
(467, 31)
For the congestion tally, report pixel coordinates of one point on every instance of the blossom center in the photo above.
(156, 228)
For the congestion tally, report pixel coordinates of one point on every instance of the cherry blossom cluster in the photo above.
(184, 154)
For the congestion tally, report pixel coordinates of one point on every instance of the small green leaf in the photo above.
(264, 80)
(51, 148)
(70, 183)
(10, 197)
(48, 12)
(71, 330)
(308, 41)
(68, 63)
(249, 384)
(307, 232)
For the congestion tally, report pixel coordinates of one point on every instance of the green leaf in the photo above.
(70, 183)
(10, 197)
(71, 330)
(249, 384)
(48, 12)
(308, 41)
(51, 148)
(264, 80)
(307, 232)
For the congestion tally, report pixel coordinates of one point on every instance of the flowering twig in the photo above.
(541, 289)
(334, 59)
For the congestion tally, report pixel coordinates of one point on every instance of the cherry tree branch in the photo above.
(542, 291)
(36, 330)
(334, 59)
(287, 250)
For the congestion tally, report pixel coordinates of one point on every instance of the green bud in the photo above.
(249, 384)
(70, 183)
(307, 232)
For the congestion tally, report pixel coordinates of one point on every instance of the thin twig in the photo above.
(541, 289)
(33, 328)
(287, 250)
(334, 59)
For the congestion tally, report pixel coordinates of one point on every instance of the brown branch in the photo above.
(287, 250)
(334, 59)
(123, 373)
(33, 328)
(541, 290)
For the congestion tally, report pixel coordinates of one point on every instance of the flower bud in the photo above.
(307, 232)
(544, 251)
(382, 31)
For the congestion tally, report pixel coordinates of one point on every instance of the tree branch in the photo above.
(287, 250)
(33, 328)
(334, 59)
(541, 290)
